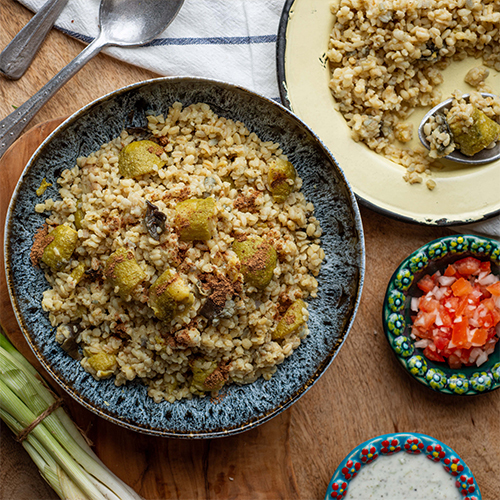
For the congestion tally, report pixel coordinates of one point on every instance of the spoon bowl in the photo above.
(122, 26)
(484, 156)
(123, 23)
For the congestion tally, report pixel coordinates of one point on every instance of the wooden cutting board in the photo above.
(363, 394)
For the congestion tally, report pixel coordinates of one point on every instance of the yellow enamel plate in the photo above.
(463, 194)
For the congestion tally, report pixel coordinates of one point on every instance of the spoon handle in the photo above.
(17, 56)
(12, 126)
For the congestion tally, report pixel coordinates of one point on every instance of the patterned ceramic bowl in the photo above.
(428, 259)
(331, 313)
(402, 442)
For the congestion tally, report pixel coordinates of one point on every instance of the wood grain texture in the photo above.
(363, 394)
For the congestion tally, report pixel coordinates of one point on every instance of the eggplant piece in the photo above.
(169, 295)
(139, 158)
(154, 220)
(123, 271)
(470, 140)
(291, 321)
(59, 251)
(195, 219)
(207, 378)
(281, 178)
(258, 260)
(78, 273)
(79, 215)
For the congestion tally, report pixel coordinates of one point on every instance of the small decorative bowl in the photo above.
(402, 442)
(434, 256)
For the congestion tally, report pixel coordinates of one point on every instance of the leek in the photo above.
(60, 452)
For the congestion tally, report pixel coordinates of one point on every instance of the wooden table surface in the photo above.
(363, 394)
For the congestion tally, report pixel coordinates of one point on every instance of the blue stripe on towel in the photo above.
(216, 40)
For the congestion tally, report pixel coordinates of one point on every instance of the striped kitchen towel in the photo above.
(229, 40)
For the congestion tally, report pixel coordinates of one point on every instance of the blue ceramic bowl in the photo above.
(428, 259)
(402, 442)
(340, 280)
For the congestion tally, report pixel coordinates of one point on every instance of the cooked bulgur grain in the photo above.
(221, 329)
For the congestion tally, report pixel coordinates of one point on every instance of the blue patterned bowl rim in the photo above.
(402, 442)
(465, 381)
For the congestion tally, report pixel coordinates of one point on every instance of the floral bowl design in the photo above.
(402, 442)
(434, 256)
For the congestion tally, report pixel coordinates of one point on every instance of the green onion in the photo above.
(60, 452)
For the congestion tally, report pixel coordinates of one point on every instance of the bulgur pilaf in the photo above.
(386, 59)
(235, 304)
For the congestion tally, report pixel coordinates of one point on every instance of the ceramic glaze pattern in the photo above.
(340, 280)
(411, 443)
(434, 256)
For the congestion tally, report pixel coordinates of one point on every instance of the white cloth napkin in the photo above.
(230, 40)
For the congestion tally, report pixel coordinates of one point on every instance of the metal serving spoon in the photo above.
(484, 156)
(16, 58)
(123, 23)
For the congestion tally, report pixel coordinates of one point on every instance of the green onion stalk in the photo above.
(56, 446)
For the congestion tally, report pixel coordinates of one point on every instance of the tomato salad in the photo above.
(458, 316)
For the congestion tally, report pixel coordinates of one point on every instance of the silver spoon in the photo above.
(484, 156)
(123, 23)
(17, 56)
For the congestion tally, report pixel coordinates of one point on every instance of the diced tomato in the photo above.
(450, 270)
(441, 342)
(432, 355)
(485, 266)
(428, 304)
(454, 361)
(463, 318)
(468, 266)
(461, 287)
(446, 317)
(465, 355)
(425, 320)
(480, 337)
(459, 336)
(426, 284)
(494, 289)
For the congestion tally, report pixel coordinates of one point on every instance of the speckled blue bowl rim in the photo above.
(331, 313)
(402, 442)
(467, 381)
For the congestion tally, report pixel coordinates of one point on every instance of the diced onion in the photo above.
(422, 344)
(414, 304)
(487, 280)
(482, 358)
(446, 280)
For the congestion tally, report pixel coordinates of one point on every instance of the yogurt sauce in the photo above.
(403, 477)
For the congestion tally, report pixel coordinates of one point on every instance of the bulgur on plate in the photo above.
(386, 59)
